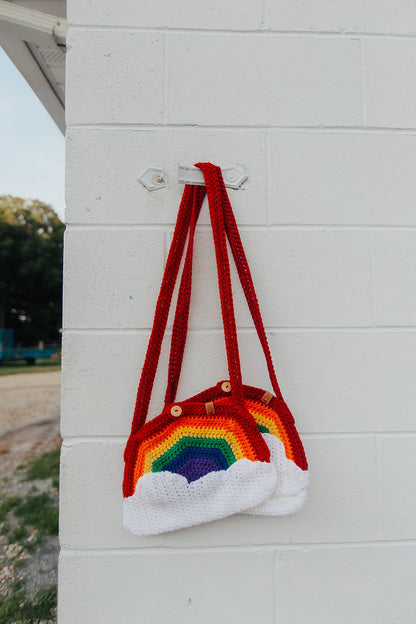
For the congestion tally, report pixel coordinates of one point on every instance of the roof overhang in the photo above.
(35, 41)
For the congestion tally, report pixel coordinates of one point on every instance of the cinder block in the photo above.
(394, 258)
(112, 277)
(347, 381)
(111, 193)
(205, 311)
(340, 178)
(200, 14)
(332, 381)
(344, 380)
(342, 504)
(315, 278)
(303, 278)
(342, 498)
(396, 486)
(291, 271)
(120, 75)
(356, 584)
(263, 80)
(390, 82)
(91, 508)
(101, 374)
(208, 588)
(354, 16)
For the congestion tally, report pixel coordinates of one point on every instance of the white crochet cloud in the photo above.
(165, 501)
(291, 488)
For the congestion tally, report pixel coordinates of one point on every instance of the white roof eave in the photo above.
(24, 34)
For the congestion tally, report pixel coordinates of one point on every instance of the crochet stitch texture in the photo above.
(274, 419)
(226, 450)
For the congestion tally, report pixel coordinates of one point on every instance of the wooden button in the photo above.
(267, 397)
(176, 410)
(226, 386)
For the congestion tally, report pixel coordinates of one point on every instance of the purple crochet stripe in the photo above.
(196, 467)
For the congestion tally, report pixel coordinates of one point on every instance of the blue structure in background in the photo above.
(30, 354)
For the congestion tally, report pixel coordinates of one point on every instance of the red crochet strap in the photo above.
(180, 325)
(182, 314)
(191, 202)
(246, 280)
(214, 184)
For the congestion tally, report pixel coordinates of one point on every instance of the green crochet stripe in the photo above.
(219, 443)
(262, 428)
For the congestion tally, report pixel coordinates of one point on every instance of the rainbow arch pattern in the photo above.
(195, 445)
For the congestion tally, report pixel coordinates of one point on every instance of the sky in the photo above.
(32, 148)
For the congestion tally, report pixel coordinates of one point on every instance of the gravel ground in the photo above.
(39, 568)
(29, 417)
(28, 397)
(29, 427)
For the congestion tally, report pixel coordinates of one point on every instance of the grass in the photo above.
(16, 607)
(35, 513)
(26, 521)
(19, 534)
(44, 467)
(7, 505)
(10, 367)
(38, 511)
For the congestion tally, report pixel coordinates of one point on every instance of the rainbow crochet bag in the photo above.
(199, 460)
(270, 412)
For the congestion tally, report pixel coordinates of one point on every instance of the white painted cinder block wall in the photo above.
(317, 101)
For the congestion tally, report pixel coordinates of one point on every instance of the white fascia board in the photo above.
(33, 26)
(20, 55)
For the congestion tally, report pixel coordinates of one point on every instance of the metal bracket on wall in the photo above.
(154, 177)
(234, 176)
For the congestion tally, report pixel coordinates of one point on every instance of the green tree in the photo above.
(31, 245)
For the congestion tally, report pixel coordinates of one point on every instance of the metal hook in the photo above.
(234, 176)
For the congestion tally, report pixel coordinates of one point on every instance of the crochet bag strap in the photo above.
(180, 325)
(247, 284)
(191, 203)
(182, 314)
(215, 188)
(189, 209)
